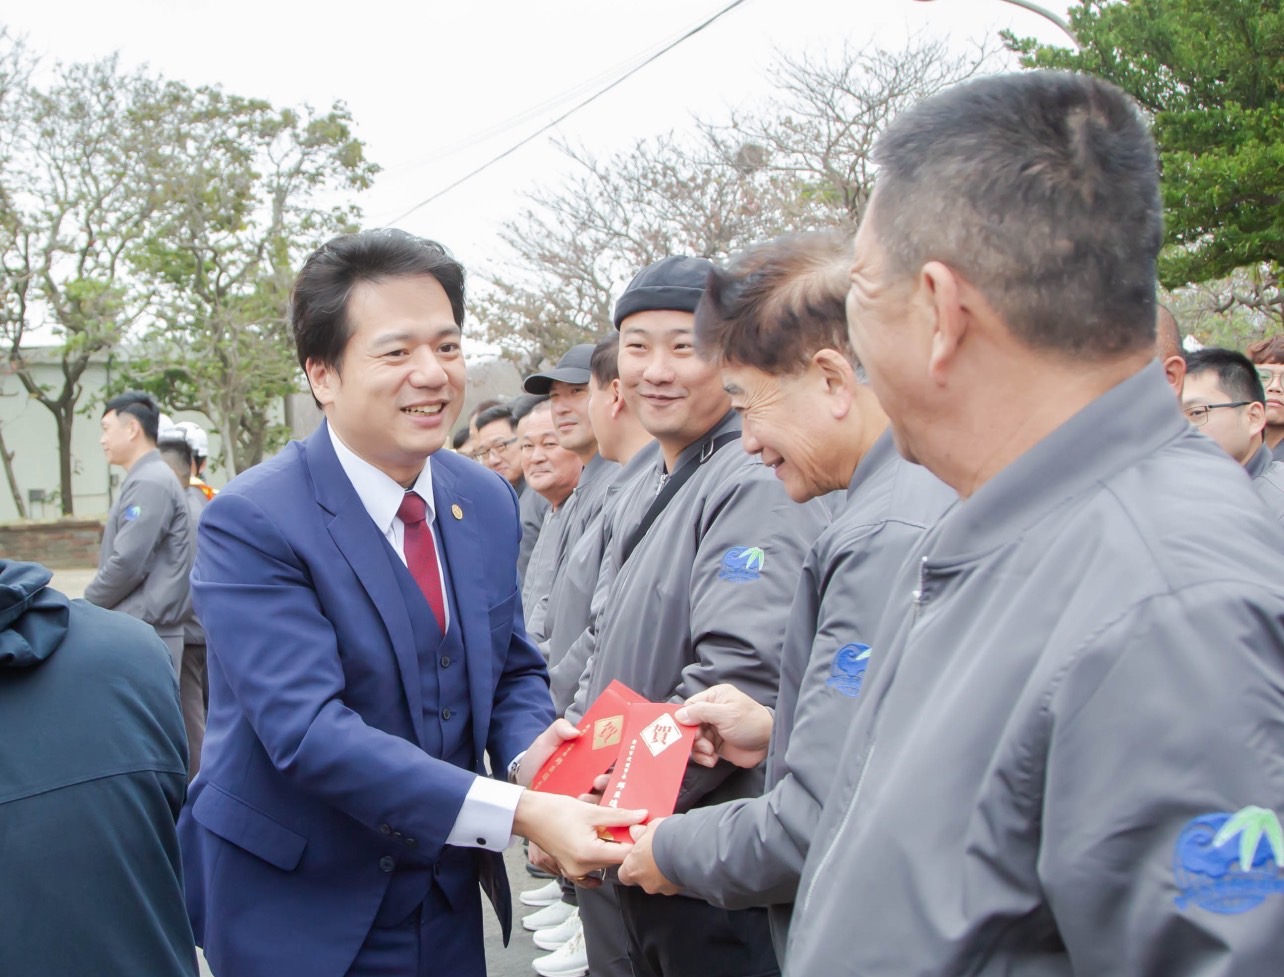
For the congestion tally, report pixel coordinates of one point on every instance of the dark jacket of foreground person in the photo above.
(92, 775)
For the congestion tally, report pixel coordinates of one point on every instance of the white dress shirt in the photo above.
(486, 819)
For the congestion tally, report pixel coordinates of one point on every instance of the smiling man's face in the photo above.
(399, 388)
(676, 394)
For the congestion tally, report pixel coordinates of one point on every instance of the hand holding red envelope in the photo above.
(653, 759)
(648, 747)
(572, 769)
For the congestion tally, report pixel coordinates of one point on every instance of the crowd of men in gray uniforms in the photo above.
(985, 639)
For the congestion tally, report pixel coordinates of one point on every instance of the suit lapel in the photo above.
(365, 550)
(459, 529)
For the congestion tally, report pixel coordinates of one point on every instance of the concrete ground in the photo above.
(513, 961)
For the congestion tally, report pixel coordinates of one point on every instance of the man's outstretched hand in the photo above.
(732, 726)
(567, 830)
(545, 745)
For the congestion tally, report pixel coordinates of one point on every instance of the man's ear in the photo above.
(617, 398)
(323, 379)
(834, 371)
(1175, 372)
(1256, 417)
(943, 292)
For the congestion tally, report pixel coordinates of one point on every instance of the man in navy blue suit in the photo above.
(366, 655)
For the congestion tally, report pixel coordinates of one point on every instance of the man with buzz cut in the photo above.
(1067, 760)
(1223, 398)
(706, 554)
(149, 541)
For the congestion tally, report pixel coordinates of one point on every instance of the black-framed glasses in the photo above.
(1267, 375)
(1199, 415)
(495, 447)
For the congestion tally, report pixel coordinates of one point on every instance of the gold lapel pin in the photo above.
(457, 512)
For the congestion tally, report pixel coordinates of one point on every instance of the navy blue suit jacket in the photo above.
(314, 774)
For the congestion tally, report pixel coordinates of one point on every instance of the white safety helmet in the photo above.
(197, 440)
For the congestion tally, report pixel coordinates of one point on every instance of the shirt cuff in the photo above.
(486, 819)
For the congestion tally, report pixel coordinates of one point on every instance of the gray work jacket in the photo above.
(705, 595)
(531, 507)
(193, 633)
(569, 652)
(538, 580)
(1268, 479)
(581, 511)
(750, 852)
(1073, 722)
(148, 547)
(573, 608)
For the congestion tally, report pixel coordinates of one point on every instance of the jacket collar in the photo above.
(1133, 419)
(730, 421)
(1261, 461)
(880, 454)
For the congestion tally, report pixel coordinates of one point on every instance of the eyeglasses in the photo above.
(1199, 415)
(1267, 375)
(495, 448)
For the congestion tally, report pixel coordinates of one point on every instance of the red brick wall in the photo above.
(62, 544)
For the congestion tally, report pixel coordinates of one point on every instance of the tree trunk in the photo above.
(64, 418)
(7, 457)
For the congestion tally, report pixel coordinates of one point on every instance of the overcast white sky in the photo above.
(423, 79)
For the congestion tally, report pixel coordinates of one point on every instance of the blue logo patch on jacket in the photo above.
(131, 513)
(1230, 863)
(848, 671)
(741, 564)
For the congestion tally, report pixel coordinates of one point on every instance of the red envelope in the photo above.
(572, 769)
(652, 761)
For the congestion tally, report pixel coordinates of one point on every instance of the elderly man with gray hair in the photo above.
(775, 320)
(1067, 757)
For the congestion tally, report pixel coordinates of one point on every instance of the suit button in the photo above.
(446, 713)
(411, 843)
(387, 863)
(385, 829)
(445, 661)
(482, 842)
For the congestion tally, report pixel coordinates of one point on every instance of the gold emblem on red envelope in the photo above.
(607, 732)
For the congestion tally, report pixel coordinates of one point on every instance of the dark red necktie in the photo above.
(421, 554)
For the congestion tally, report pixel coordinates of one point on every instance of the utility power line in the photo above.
(575, 108)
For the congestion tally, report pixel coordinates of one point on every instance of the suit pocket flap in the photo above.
(233, 820)
(502, 613)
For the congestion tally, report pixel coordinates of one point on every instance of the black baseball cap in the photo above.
(573, 367)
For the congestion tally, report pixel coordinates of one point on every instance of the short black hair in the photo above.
(178, 455)
(776, 305)
(486, 404)
(458, 439)
(499, 412)
(1042, 190)
(1236, 374)
(139, 406)
(524, 404)
(604, 363)
(319, 300)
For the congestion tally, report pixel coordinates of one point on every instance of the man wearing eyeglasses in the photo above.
(1223, 397)
(1268, 355)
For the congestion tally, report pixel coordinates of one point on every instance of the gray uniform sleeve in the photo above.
(743, 578)
(570, 677)
(750, 852)
(1143, 865)
(141, 517)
